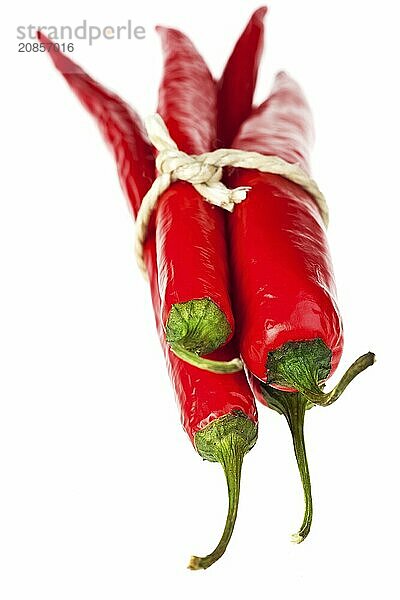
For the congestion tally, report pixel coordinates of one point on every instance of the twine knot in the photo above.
(198, 170)
(204, 172)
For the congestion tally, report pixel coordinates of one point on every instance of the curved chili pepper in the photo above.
(217, 412)
(289, 325)
(190, 233)
(238, 81)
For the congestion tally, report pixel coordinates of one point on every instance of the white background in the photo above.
(102, 495)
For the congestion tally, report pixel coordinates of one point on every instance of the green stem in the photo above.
(231, 461)
(225, 440)
(215, 366)
(293, 407)
(327, 398)
(297, 429)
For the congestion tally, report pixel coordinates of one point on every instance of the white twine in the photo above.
(204, 172)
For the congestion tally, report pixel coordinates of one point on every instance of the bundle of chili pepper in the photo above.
(217, 411)
(290, 329)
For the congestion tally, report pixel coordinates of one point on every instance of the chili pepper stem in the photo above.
(305, 365)
(297, 429)
(293, 406)
(215, 366)
(231, 460)
(225, 440)
(358, 366)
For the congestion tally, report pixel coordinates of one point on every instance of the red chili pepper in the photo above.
(289, 326)
(190, 233)
(238, 81)
(287, 302)
(217, 412)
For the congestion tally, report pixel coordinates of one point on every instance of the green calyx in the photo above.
(226, 440)
(293, 407)
(210, 441)
(305, 365)
(301, 365)
(199, 327)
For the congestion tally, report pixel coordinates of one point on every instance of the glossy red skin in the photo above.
(238, 81)
(201, 396)
(283, 279)
(190, 233)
